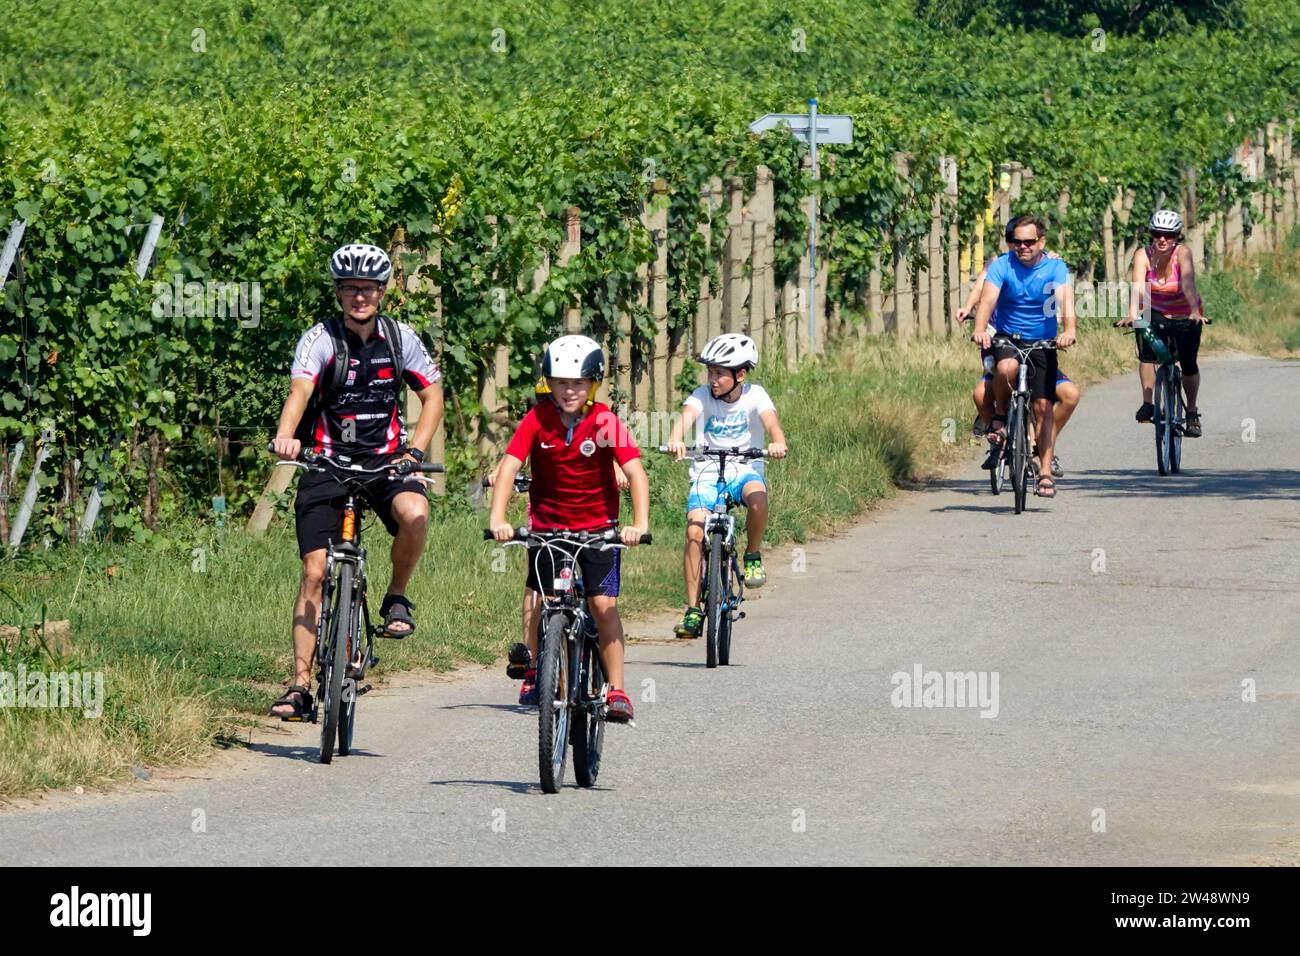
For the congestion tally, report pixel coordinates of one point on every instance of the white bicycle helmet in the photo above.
(360, 261)
(574, 356)
(1165, 220)
(730, 350)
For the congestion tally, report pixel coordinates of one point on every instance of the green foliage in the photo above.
(267, 133)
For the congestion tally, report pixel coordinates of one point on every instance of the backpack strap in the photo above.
(393, 336)
(334, 328)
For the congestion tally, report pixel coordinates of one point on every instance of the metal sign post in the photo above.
(812, 128)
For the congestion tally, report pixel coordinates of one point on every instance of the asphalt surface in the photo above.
(1124, 622)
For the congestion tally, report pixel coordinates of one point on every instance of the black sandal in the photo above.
(396, 608)
(518, 662)
(297, 697)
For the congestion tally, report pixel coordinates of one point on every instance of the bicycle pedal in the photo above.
(365, 690)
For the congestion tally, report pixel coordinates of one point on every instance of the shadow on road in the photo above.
(1263, 484)
(311, 754)
(514, 786)
(509, 708)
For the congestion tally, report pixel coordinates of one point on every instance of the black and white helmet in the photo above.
(574, 356)
(360, 261)
(730, 350)
(1165, 220)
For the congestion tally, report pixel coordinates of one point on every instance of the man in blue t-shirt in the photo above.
(1028, 291)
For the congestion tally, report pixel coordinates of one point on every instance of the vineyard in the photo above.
(535, 167)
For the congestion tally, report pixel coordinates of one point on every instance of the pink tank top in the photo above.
(1167, 294)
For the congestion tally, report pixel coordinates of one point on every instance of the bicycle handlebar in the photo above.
(609, 536)
(308, 458)
(707, 452)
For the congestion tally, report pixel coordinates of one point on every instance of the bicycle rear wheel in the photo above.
(588, 734)
(713, 605)
(1175, 401)
(334, 665)
(996, 474)
(1018, 435)
(553, 704)
(1161, 419)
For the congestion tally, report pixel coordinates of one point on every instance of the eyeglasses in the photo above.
(1022, 242)
(350, 290)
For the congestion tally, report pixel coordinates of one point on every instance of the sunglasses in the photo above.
(1022, 242)
(1164, 235)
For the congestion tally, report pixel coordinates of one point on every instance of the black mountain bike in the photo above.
(721, 580)
(571, 680)
(1016, 454)
(345, 638)
(1170, 414)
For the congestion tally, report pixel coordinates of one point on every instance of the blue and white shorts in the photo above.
(704, 489)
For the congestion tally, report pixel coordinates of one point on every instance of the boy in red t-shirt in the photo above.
(573, 442)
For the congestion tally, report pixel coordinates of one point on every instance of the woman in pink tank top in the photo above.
(1164, 280)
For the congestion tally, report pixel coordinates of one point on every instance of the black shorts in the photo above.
(318, 509)
(1183, 336)
(1042, 366)
(601, 570)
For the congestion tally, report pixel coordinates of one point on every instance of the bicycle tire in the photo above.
(553, 704)
(588, 734)
(995, 473)
(1019, 437)
(348, 700)
(1162, 426)
(713, 605)
(335, 663)
(727, 624)
(1178, 418)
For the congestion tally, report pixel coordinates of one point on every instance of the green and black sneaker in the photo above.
(755, 576)
(691, 623)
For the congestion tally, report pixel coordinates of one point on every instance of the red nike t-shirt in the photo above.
(573, 474)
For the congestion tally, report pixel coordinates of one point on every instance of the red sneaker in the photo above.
(618, 707)
(528, 690)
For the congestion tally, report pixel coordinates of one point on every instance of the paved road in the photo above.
(1120, 692)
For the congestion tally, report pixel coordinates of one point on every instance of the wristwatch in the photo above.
(416, 454)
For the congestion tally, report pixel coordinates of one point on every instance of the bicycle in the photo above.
(1167, 396)
(571, 682)
(344, 647)
(1015, 453)
(721, 580)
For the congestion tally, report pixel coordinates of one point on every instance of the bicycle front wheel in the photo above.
(713, 606)
(1178, 418)
(1018, 435)
(1162, 419)
(553, 704)
(335, 662)
(731, 573)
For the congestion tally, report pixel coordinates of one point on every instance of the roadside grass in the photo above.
(193, 642)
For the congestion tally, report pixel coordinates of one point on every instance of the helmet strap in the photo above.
(726, 396)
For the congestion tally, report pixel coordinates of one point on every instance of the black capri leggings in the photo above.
(1183, 334)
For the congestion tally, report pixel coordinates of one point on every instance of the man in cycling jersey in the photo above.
(360, 420)
(1028, 291)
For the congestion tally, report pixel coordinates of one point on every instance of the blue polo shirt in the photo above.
(1026, 305)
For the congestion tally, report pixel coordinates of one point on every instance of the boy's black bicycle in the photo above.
(571, 680)
(345, 638)
(721, 580)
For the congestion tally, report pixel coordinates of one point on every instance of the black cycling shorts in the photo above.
(601, 570)
(318, 509)
(1183, 336)
(1042, 366)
